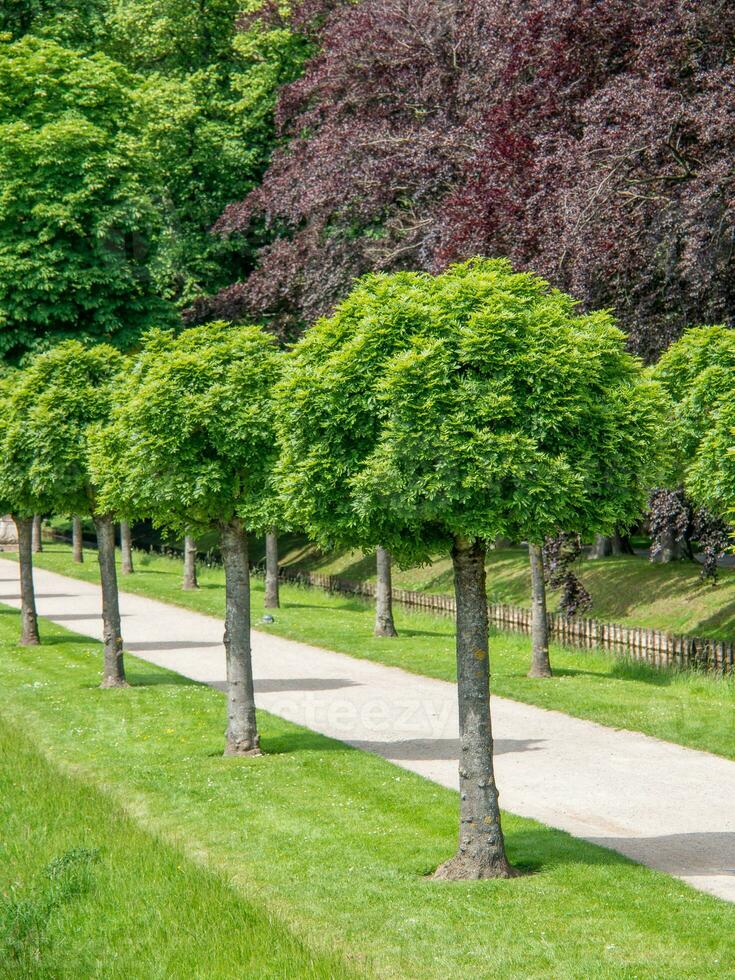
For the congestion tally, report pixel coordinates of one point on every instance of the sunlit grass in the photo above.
(693, 709)
(328, 845)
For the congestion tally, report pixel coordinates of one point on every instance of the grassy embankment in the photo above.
(692, 709)
(132, 848)
(629, 590)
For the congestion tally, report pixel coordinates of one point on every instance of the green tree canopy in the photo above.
(191, 442)
(476, 403)
(203, 80)
(698, 371)
(77, 213)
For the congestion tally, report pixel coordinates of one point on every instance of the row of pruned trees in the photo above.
(428, 415)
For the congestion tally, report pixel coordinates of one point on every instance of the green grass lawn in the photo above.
(86, 892)
(690, 708)
(628, 590)
(135, 849)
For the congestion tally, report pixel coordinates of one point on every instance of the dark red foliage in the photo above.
(592, 141)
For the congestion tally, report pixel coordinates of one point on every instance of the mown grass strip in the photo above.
(85, 892)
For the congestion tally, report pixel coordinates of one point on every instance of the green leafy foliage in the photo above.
(191, 440)
(474, 403)
(50, 414)
(77, 212)
(202, 81)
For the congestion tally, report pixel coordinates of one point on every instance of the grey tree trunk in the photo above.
(384, 625)
(671, 549)
(481, 852)
(126, 549)
(28, 617)
(242, 731)
(113, 671)
(190, 564)
(502, 543)
(37, 539)
(613, 545)
(540, 663)
(77, 542)
(272, 600)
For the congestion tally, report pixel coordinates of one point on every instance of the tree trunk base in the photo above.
(189, 587)
(109, 682)
(248, 748)
(30, 641)
(385, 629)
(540, 672)
(464, 868)
(271, 603)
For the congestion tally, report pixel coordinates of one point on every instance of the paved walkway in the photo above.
(662, 805)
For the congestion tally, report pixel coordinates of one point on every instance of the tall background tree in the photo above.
(77, 214)
(591, 142)
(205, 77)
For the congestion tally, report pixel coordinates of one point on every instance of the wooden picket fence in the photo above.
(652, 646)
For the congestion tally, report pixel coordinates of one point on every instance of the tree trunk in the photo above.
(242, 730)
(501, 543)
(28, 617)
(113, 673)
(481, 851)
(615, 545)
(540, 664)
(671, 549)
(272, 600)
(190, 564)
(384, 625)
(37, 539)
(601, 547)
(77, 542)
(126, 549)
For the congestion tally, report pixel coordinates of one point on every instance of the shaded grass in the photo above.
(333, 841)
(690, 708)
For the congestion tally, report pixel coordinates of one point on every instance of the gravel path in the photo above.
(665, 806)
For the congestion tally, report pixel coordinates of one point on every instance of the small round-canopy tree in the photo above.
(18, 499)
(58, 401)
(432, 414)
(191, 446)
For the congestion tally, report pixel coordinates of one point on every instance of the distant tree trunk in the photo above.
(540, 664)
(37, 539)
(613, 545)
(190, 564)
(77, 541)
(481, 852)
(502, 543)
(384, 625)
(28, 617)
(670, 549)
(242, 730)
(272, 600)
(113, 672)
(126, 549)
